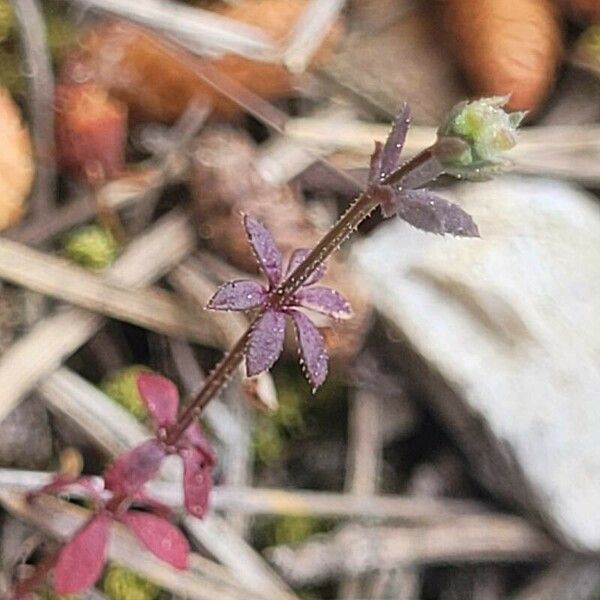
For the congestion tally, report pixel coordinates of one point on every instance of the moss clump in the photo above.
(272, 432)
(91, 246)
(121, 584)
(121, 386)
(47, 593)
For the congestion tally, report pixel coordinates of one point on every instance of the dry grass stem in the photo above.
(154, 309)
(56, 337)
(200, 30)
(309, 31)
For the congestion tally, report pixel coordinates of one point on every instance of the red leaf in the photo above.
(197, 481)
(80, 561)
(130, 471)
(161, 397)
(162, 538)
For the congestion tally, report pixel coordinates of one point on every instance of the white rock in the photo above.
(508, 328)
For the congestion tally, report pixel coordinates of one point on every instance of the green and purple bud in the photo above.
(475, 136)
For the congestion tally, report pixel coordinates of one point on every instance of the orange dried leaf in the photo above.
(91, 131)
(506, 47)
(158, 82)
(16, 162)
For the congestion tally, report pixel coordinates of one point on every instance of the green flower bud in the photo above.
(121, 386)
(475, 136)
(121, 584)
(91, 246)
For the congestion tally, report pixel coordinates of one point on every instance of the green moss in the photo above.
(121, 584)
(121, 386)
(47, 593)
(273, 431)
(91, 246)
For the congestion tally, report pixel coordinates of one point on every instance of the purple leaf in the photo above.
(390, 158)
(266, 342)
(240, 294)
(162, 538)
(312, 349)
(326, 301)
(81, 560)
(197, 480)
(424, 210)
(267, 253)
(160, 396)
(375, 167)
(130, 471)
(297, 257)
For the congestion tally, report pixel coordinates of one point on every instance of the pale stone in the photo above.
(505, 332)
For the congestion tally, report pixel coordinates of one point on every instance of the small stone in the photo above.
(503, 331)
(25, 437)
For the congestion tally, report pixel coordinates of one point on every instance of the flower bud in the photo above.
(91, 246)
(475, 136)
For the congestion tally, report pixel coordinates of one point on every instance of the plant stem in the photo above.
(329, 243)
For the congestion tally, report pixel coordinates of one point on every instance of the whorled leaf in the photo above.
(160, 396)
(160, 536)
(326, 301)
(197, 481)
(239, 294)
(427, 211)
(312, 349)
(375, 164)
(131, 470)
(390, 157)
(266, 342)
(297, 257)
(80, 561)
(267, 253)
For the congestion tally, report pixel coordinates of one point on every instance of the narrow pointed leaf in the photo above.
(375, 166)
(130, 471)
(197, 480)
(312, 349)
(390, 158)
(427, 211)
(267, 253)
(240, 294)
(297, 257)
(160, 536)
(80, 562)
(160, 396)
(266, 343)
(326, 301)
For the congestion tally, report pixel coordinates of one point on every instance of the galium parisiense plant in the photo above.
(470, 144)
